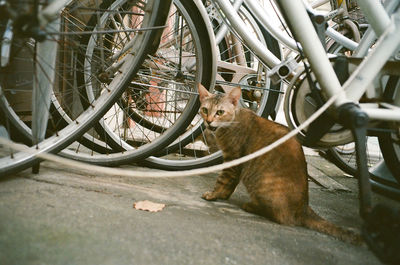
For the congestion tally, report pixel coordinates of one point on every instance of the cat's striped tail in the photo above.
(315, 222)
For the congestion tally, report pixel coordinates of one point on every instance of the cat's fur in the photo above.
(276, 181)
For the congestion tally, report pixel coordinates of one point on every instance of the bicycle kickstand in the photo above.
(352, 117)
(381, 229)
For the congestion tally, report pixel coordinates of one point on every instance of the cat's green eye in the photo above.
(220, 112)
(204, 110)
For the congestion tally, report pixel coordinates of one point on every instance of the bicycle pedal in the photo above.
(381, 232)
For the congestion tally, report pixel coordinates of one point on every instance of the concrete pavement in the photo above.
(62, 216)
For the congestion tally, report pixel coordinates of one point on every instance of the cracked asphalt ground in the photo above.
(62, 216)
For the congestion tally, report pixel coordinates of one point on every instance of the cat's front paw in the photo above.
(209, 196)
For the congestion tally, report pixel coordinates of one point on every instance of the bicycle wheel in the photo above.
(237, 66)
(344, 156)
(160, 102)
(125, 18)
(68, 27)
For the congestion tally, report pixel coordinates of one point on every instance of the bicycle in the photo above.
(352, 115)
(330, 88)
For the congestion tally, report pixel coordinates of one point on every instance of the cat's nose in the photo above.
(208, 123)
(207, 120)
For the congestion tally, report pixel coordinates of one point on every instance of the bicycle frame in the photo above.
(388, 31)
(265, 18)
(42, 86)
(356, 85)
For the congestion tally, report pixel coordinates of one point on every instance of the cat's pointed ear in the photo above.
(203, 93)
(234, 95)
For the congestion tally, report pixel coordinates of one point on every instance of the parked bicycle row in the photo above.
(110, 82)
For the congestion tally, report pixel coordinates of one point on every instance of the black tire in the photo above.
(345, 158)
(390, 142)
(391, 153)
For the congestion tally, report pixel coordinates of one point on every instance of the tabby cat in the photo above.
(276, 181)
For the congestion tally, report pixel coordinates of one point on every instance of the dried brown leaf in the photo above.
(148, 206)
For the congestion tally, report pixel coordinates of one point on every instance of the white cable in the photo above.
(165, 174)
